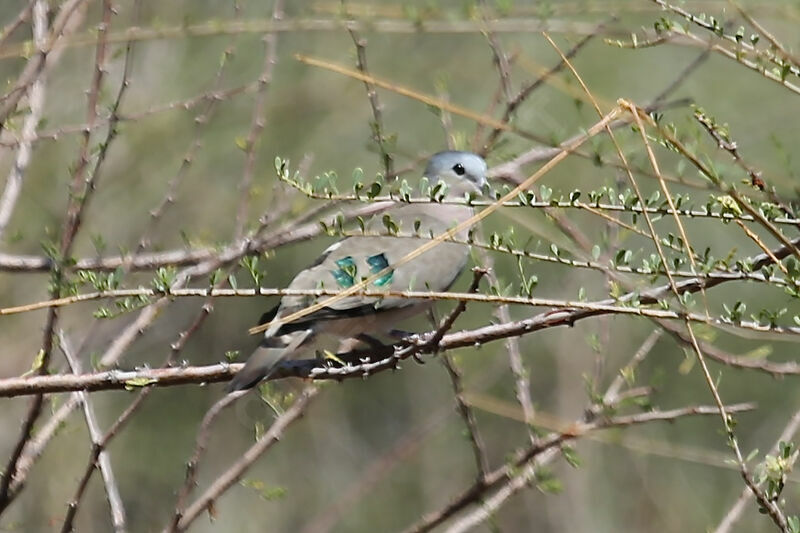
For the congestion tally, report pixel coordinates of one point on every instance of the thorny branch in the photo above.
(493, 487)
(497, 478)
(377, 126)
(561, 316)
(264, 81)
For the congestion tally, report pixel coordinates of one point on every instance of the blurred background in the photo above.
(376, 454)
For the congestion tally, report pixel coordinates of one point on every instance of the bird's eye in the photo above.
(458, 168)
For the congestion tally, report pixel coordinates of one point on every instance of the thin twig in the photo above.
(377, 127)
(475, 439)
(521, 374)
(22, 17)
(478, 448)
(201, 443)
(36, 99)
(11, 473)
(206, 501)
(724, 142)
(735, 512)
(776, 44)
(500, 57)
(100, 457)
(529, 88)
(257, 125)
(772, 509)
(619, 380)
(500, 477)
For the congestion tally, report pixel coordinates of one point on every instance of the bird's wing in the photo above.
(351, 260)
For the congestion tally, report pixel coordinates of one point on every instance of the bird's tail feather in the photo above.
(266, 358)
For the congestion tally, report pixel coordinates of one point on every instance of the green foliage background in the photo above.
(376, 454)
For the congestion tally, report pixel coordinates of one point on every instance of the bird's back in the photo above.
(354, 258)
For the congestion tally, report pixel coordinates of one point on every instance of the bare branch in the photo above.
(206, 501)
(36, 96)
(505, 476)
(200, 447)
(378, 130)
(100, 456)
(257, 125)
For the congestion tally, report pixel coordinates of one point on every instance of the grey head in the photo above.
(463, 171)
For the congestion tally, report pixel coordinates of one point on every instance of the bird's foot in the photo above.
(328, 358)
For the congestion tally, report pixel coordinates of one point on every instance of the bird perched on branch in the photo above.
(351, 260)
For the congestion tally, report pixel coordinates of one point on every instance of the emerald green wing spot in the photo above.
(345, 275)
(376, 264)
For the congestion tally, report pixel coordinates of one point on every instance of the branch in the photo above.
(257, 125)
(36, 99)
(201, 443)
(237, 469)
(99, 456)
(735, 512)
(497, 479)
(374, 103)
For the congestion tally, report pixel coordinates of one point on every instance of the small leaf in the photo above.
(139, 382)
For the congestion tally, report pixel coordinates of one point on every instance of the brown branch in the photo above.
(500, 57)
(521, 374)
(467, 414)
(201, 443)
(475, 494)
(257, 125)
(517, 100)
(725, 143)
(735, 512)
(19, 20)
(378, 130)
(206, 501)
(772, 509)
(478, 448)
(32, 70)
(71, 226)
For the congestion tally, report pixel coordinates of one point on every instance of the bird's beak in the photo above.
(484, 186)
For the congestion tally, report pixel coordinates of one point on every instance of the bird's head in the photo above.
(462, 171)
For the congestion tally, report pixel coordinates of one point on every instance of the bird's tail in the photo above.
(266, 358)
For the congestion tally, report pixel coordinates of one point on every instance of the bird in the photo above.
(354, 258)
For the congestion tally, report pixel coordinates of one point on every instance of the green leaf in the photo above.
(571, 456)
(38, 361)
(266, 492)
(139, 382)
